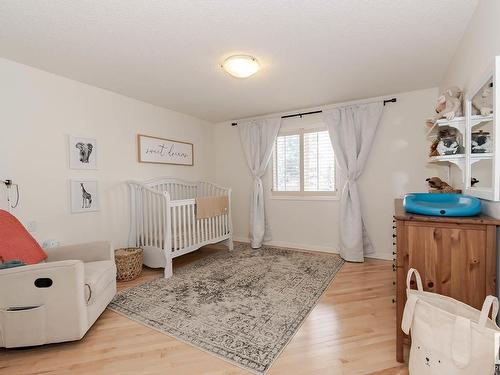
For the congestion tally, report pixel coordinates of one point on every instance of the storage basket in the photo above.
(448, 336)
(128, 263)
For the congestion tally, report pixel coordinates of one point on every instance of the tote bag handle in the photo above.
(412, 271)
(490, 303)
(411, 302)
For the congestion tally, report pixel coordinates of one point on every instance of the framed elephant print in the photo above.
(84, 196)
(82, 153)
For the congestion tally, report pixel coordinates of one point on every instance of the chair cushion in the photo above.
(16, 243)
(98, 275)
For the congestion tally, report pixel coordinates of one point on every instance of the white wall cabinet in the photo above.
(482, 138)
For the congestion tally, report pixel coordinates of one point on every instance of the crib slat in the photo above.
(190, 225)
(205, 229)
(220, 218)
(184, 228)
(154, 207)
(216, 222)
(159, 209)
(174, 226)
(168, 228)
(220, 225)
(138, 210)
(198, 231)
(148, 226)
(150, 219)
(144, 217)
(143, 224)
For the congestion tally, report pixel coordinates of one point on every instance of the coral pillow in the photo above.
(16, 243)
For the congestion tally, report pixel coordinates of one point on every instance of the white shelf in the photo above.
(482, 155)
(478, 119)
(457, 123)
(474, 158)
(446, 157)
(457, 159)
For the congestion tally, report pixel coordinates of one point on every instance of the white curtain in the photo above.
(352, 130)
(257, 140)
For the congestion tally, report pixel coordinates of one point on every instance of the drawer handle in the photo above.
(430, 284)
(43, 282)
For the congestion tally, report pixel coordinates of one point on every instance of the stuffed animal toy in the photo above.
(448, 105)
(483, 102)
(436, 185)
(434, 151)
(445, 143)
(447, 146)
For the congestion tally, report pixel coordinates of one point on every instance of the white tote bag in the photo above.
(448, 337)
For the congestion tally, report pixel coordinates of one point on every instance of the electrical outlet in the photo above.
(31, 226)
(47, 244)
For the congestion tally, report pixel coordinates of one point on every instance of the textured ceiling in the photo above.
(168, 52)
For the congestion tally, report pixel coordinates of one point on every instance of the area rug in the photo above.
(243, 306)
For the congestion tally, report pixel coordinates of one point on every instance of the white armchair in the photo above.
(58, 300)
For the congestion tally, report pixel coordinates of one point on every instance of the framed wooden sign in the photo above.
(164, 151)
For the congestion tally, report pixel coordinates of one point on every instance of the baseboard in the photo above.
(323, 249)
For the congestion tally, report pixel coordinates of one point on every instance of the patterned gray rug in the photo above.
(243, 306)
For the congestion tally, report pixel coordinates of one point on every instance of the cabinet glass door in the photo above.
(482, 139)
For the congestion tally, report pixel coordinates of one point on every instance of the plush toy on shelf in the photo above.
(436, 185)
(448, 105)
(482, 102)
(446, 143)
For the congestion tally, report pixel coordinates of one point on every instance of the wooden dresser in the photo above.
(456, 256)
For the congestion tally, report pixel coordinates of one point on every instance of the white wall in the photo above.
(474, 57)
(38, 112)
(397, 165)
(479, 45)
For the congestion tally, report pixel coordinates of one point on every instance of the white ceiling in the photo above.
(168, 52)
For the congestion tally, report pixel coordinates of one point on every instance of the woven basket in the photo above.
(128, 263)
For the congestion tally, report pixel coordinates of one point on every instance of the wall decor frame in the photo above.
(82, 152)
(158, 150)
(84, 195)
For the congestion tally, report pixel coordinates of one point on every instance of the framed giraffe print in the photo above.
(84, 196)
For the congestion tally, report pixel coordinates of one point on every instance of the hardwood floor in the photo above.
(350, 331)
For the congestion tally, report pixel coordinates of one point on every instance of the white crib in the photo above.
(163, 219)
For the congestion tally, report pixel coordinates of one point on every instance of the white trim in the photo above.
(327, 197)
(319, 248)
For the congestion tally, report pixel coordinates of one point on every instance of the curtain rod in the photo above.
(393, 100)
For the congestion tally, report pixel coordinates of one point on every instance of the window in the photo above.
(304, 163)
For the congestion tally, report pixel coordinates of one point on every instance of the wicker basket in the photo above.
(128, 263)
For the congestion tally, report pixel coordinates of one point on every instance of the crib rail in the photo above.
(208, 189)
(177, 189)
(149, 216)
(180, 189)
(190, 233)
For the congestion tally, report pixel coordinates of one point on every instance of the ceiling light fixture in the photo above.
(241, 66)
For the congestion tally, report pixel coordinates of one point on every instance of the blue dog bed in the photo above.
(442, 204)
